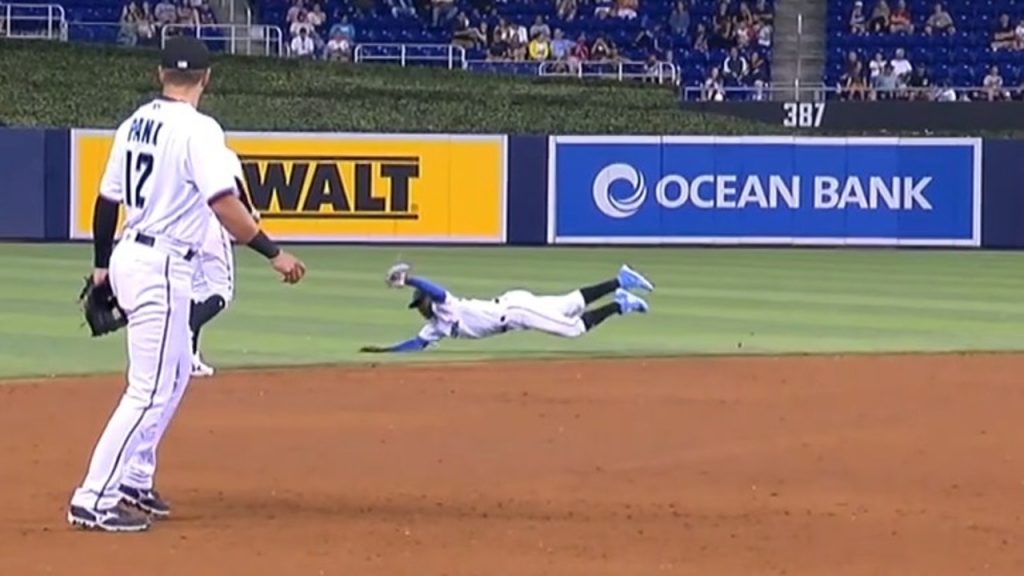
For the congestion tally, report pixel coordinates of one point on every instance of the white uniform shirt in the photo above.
(464, 318)
(165, 166)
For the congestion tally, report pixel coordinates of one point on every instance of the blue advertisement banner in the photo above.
(764, 190)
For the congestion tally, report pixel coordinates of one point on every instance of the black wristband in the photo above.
(104, 226)
(264, 245)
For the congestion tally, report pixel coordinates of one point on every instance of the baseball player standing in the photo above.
(166, 166)
(213, 286)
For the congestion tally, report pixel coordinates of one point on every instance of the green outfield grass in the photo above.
(709, 301)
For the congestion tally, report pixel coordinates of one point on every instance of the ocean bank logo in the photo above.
(723, 191)
(602, 190)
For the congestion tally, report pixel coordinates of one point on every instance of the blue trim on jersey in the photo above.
(436, 292)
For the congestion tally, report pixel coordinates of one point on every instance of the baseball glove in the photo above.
(99, 305)
(397, 274)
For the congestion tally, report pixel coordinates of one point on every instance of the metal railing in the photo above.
(237, 38)
(822, 93)
(412, 54)
(659, 72)
(33, 21)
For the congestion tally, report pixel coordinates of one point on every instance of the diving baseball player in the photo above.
(167, 168)
(213, 286)
(564, 315)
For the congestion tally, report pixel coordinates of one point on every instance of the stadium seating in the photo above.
(961, 59)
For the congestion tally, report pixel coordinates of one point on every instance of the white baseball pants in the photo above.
(153, 286)
(555, 315)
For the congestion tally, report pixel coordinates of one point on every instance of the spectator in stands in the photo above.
(735, 67)
(679, 20)
(540, 47)
(885, 84)
(580, 51)
(993, 86)
(945, 94)
(338, 48)
(877, 65)
(1003, 36)
(1018, 34)
(466, 35)
(501, 41)
(165, 13)
(714, 88)
(129, 27)
(940, 22)
(880, 17)
(567, 9)
(301, 24)
(560, 46)
(442, 12)
(302, 45)
(852, 59)
(626, 9)
(147, 25)
(920, 84)
(764, 35)
(206, 16)
(743, 33)
(901, 20)
(539, 28)
(744, 15)
(852, 85)
(858, 22)
(188, 16)
(700, 39)
(601, 49)
(296, 8)
(763, 15)
(900, 65)
(758, 77)
(317, 17)
(342, 27)
(723, 36)
(603, 8)
(520, 42)
(401, 8)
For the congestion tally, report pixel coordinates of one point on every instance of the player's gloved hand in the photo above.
(290, 267)
(397, 275)
(99, 306)
(373, 349)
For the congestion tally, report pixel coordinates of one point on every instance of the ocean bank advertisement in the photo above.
(346, 187)
(764, 190)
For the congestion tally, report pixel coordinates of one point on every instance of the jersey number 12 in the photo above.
(143, 167)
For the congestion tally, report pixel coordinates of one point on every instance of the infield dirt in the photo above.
(833, 466)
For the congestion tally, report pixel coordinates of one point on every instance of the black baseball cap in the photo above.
(185, 53)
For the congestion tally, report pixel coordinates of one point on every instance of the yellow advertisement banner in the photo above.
(346, 187)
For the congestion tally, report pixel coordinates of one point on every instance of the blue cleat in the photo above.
(149, 501)
(114, 519)
(629, 303)
(630, 279)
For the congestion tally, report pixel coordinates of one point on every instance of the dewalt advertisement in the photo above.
(346, 187)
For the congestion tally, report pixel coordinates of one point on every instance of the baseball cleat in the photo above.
(200, 368)
(149, 501)
(629, 303)
(630, 279)
(114, 519)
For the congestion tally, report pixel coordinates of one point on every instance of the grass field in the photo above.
(708, 301)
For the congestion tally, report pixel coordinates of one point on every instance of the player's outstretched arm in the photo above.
(240, 223)
(411, 345)
(436, 292)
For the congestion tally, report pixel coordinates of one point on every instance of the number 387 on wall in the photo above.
(803, 114)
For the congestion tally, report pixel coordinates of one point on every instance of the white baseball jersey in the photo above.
(164, 168)
(514, 310)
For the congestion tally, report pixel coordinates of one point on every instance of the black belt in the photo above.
(147, 240)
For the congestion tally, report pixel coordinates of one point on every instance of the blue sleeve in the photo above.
(436, 292)
(412, 345)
